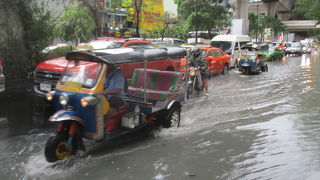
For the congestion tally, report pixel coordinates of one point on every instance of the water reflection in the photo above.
(305, 61)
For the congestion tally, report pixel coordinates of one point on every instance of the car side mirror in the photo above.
(210, 58)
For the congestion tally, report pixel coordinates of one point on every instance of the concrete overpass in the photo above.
(301, 26)
(275, 8)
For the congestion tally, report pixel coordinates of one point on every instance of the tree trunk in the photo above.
(164, 30)
(138, 24)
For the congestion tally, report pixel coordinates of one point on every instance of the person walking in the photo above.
(197, 60)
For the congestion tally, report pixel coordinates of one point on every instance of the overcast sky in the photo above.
(170, 6)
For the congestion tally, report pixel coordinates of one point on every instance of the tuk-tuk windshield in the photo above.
(249, 53)
(83, 72)
(272, 49)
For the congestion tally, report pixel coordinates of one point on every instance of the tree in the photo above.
(21, 53)
(75, 23)
(137, 5)
(207, 15)
(178, 30)
(308, 9)
(258, 25)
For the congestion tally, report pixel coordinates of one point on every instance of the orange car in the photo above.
(218, 61)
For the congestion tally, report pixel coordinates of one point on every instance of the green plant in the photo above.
(75, 23)
(21, 53)
(57, 52)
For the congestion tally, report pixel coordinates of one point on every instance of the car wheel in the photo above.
(172, 118)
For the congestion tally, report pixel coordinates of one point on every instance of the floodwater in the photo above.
(249, 127)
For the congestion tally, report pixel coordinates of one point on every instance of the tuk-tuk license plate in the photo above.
(45, 87)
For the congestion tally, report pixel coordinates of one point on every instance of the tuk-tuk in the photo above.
(153, 98)
(250, 60)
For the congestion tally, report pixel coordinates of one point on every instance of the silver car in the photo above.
(294, 48)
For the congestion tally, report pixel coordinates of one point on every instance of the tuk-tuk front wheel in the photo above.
(172, 118)
(57, 147)
(245, 70)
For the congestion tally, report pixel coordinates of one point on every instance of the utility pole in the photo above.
(196, 21)
(257, 21)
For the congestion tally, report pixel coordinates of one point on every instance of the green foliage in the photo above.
(57, 52)
(75, 23)
(38, 26)
(308, 9)
(16, 64)
(205, 15)
(258, 25)
(178, 30)
(20, 55)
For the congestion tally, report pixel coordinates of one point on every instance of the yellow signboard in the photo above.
(151, 15)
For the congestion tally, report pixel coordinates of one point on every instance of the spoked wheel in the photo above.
(57, 147)
(189, 90)
(172, 118)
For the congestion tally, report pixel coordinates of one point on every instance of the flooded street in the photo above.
(249, 127)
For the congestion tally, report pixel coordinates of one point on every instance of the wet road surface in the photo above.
(249, 127)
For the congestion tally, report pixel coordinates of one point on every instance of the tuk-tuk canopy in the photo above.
(128, 55)
(251, 46)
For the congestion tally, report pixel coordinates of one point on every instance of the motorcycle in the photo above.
(153, 98)
(194, 81)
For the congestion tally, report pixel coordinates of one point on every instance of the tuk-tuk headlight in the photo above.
(49, 96)
(64, 99)
(192, 72)
(89, 101)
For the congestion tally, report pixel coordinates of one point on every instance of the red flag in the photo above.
(280, 37)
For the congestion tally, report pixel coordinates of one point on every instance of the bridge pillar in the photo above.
(271, 8)
(241, 12)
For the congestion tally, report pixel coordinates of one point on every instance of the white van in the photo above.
(231, 45)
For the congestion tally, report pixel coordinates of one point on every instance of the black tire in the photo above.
(245, 71)
(266, 68)
(170, 68)
(172, 118)
(189, 90)
(58, 143)
(225, 70)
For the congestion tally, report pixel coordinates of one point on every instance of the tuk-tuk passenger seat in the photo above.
(160, 85)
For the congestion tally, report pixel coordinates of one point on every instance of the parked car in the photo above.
(231, 44)
(48, 72)
(2, 85)
(218, 61)
(294, 48)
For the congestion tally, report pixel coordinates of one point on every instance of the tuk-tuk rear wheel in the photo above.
(172, 118)
(56, 147)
